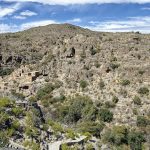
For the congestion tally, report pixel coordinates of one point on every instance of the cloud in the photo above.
(4, 28)
(66, 2)
(25, 14)
(75, 20)
(28, 13)
(130, 24)
(19, 17)
(28, 25)
(4, 11)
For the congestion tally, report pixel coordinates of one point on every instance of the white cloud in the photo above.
(75, 20)
(4, 28)
(66, 2)
(7, 28)
(36, 24)
(141, 24)
(28, 13)
(4, 11)
(25, 14)
(19, 17)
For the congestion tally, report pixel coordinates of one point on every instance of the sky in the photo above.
(97, 15)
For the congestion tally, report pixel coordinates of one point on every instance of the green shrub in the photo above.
(115, 99)
(77, 108)
(142, 121)
(117, 135)
(105, 115)
(17, 111)
(114, 66)
(4, 139)
(125, 82)
(45, 91)
(5, 102)
(101, 84)
(93, 128)
(143, 91)
(93, 50)
(135, 140)
(109, 104)
(89, 147)
(137, 100)
(83, 84)
(5, 71)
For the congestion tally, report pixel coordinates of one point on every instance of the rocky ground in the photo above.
(113, 69)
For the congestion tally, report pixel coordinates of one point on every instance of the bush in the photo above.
(83, 84)
(80, 107)
(5, 102)
(101, 84)
(105, 115)
(135, 140)
(109, 104)
(5, 71)
(125, 82)
(142, 121)
(117, 135)
(93, 51)
(114, 66)
(115, 99)
(143, 91)
(89, 147)
(137, 100)
(17, 111)
(93, 128)
(45, 91)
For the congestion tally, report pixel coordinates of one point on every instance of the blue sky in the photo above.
(99, 15)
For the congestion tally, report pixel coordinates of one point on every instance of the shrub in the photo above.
(117, 135)
(142, 121)
(4, 140)
(89, 147)
(93, 128)
(125, 82)
(5, 71)
(143, 91)
(80, 107)
(17, 111)
(5, 102)
(137, 100)
(135, 140)
(45, 91)
(101, 84)
(114, 66)
(109, 104)
(83, 84)
(105, 115)
(115, 99)
(93, 50)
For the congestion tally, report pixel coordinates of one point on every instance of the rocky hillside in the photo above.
(112, 69)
